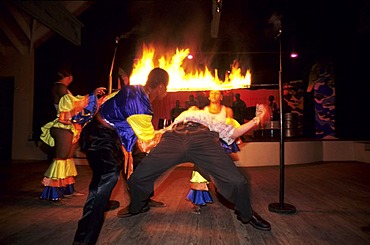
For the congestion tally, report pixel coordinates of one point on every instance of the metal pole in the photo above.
(111, 67)
(281, 207)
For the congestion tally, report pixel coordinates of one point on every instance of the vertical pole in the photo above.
(281, 207)
(111, 67)
(282, 133)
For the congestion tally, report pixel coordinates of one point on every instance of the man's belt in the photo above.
(190, 124)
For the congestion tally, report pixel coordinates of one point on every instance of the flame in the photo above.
(198, 80)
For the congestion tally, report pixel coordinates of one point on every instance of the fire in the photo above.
(180, 80)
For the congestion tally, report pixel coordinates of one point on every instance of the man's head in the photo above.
(215, 96)
(123, 78)
(156, 77)
(157, 83)
(237, 96)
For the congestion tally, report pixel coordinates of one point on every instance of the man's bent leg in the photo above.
(168, 153)
(105, 157)
(230, 183)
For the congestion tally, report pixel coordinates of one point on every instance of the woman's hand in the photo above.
(100, 91)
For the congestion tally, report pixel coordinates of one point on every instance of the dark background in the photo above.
(335, 30)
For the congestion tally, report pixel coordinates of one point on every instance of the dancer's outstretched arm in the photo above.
(262, 115)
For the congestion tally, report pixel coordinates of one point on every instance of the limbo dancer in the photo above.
(194, 137)
(199, 193)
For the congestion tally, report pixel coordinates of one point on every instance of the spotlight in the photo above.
(293, 55)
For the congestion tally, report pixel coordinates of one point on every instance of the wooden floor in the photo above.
(332, 202)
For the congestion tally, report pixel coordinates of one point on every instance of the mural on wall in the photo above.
(322, 82)
(293, 106)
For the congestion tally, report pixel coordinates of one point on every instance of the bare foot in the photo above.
(58, 202)
(196, 209)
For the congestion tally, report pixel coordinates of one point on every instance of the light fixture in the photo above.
(293, 55)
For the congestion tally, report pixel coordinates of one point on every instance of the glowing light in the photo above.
(293, 55)
(180, 80)
(190, 57)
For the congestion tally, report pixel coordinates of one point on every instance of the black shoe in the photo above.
(257, 222)
(112, 205)
(82, 243)
(156, 204)
(125, 212)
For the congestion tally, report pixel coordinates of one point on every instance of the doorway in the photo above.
(6, 122)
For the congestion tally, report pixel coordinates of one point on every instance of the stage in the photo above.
(332, 202)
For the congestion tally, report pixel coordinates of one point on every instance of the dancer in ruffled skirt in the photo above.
(63, 133)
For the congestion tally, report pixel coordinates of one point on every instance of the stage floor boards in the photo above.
(332, 201)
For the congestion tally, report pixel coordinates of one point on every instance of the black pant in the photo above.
(191, 143)
(104, 154)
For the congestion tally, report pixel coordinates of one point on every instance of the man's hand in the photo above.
(262, 112)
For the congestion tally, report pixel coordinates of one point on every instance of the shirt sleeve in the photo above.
(86, 114)
(70, 105)
(142, 125)
(225, 131)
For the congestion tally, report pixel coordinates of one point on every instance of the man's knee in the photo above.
(238, 182)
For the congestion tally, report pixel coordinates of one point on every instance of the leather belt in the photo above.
(190, 124)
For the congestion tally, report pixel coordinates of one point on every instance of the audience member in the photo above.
(274, 112)
(175, 111)
(191, 102)
(239, 108)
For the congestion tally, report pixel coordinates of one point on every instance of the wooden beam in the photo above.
(11, 36)
(19, 18)
(53, 15)
(32, 39)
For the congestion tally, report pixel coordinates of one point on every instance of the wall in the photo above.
(362, 151)
(268, 153)
(21, 67)
(301, 152)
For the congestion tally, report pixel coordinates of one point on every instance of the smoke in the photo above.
(173, 24)
(275, 22)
